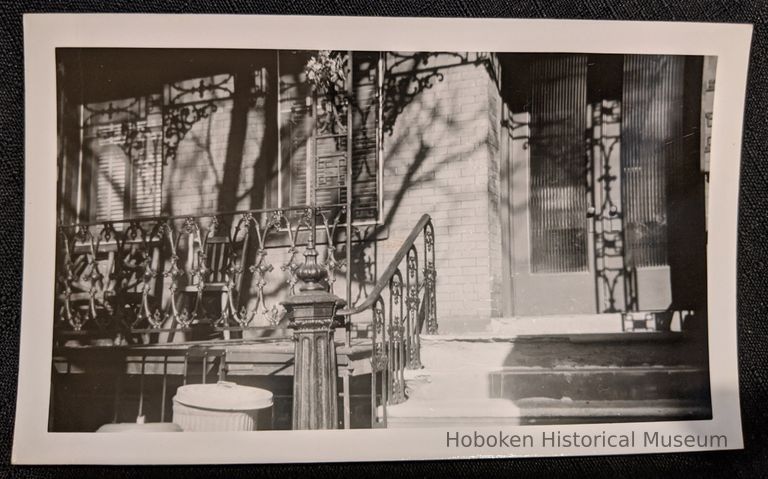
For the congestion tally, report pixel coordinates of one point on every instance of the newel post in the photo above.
(312, 316)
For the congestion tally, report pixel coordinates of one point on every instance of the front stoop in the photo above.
(445, 413)
(553, 379)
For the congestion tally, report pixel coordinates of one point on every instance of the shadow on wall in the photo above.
(407, 77)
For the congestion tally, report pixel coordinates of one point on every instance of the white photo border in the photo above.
(43, 33)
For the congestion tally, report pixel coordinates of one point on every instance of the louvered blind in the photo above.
(294, 126)
(111, 181)
(147, 165)
(651, 140)
(557, 164)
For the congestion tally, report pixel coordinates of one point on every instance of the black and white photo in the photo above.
(457, 243)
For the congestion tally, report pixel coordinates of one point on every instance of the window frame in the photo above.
(311, 165)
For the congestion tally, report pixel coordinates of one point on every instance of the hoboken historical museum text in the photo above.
(560, 439)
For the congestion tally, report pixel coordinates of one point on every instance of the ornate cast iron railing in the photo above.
(402, 304)
(172, 274)
(143, 276)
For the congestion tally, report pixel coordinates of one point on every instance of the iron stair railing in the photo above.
(401, 305)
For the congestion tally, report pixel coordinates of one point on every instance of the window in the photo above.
(122, 146)
(147, 150)
(317, 126)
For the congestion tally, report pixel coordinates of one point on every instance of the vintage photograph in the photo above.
(406, 244)
(276, 239)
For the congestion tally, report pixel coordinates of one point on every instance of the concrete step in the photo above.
(601, 383)
(603, 323)
(449, 413)
(494, 379)
(489, 351)
(577, 383)
(556, 324)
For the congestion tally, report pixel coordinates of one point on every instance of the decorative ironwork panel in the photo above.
(412, 303)
(651, 141)
(397, 333)
(430, 279)
(188, 102)
(611, 274)
(557, 164)
(208, 89)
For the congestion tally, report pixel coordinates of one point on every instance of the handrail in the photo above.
(386, 277)
(144, 219)
(397, 316)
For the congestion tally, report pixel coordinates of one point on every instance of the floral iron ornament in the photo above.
(327, 72)
(327, 76)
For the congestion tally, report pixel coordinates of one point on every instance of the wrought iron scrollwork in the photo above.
(379, 356)
(430, 278)
(413, 344)
(396, 329)
(262, 267)
(331, 223)
(130, 108)
(200, 90)
(158, 274)
(291, 265)
(178, 121)
(611, 271)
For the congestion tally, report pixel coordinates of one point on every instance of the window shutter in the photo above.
(332, 140)
(110, 184)
(294, 126)
(329, 149)
(147, 167)
(365, 146)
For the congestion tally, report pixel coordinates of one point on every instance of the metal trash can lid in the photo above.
(223, 396)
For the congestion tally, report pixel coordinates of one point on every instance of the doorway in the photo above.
(593, 158)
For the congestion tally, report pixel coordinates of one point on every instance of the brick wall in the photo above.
(441, 158)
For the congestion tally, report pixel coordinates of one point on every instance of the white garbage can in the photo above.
(223, 406)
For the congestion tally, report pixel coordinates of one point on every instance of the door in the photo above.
(584, 190)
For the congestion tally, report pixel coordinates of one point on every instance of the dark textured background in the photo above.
(752, 254)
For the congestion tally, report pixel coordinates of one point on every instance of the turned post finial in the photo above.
(312, 274)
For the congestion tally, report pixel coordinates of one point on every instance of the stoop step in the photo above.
(448, 413)
(548, 379)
